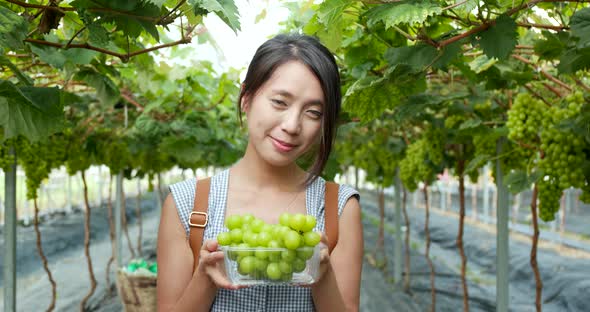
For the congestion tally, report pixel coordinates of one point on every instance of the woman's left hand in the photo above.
(325, 264)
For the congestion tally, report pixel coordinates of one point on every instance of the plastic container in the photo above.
(271, 266)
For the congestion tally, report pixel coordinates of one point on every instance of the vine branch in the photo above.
(537, 95)
(544, 72)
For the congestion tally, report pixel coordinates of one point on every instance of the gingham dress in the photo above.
(256, 298)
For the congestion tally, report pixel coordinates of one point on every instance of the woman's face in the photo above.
(285, 116)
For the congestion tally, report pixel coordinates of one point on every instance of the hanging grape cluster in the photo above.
(525, 117)
(563, 155)
(418, 164)
(6, 160)
(38, 158)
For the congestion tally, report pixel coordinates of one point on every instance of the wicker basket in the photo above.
(137, 292)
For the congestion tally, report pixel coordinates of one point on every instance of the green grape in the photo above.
(288, 255)
(274, 271)
(310, 223)
(256, 225)
(292, 239)
(284, 219)
(224, 238)
(298, 265)
(285, 267)
(311, 238)
(297, 222)
(263, 239)
(236, 236)
(233, 222)
(247, 265)
(250, 238)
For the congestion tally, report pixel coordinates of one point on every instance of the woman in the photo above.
(291, 99)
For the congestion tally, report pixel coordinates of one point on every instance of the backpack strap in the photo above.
(331, 214)
(198, 219)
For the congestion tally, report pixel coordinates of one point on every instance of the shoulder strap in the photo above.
(198, 218)
(331, 214)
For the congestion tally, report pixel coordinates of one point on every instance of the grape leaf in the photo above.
(417, 56)
(580, 25)
(573, 60)
(106, 90)
(98, 35)
(225, 9)
(58, 58)
(30, 111)
(470, 124)
(477, 162)
(13, 29)
(500, 39)
(369, 97)
(518, 180)
(158, 3)
(130, 16)
(393, 14)
(482, 63)
(552, 47)
(330, 11)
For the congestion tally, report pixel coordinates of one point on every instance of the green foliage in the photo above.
(369, 97)
(225, 9)
(13, 29)
(500, 39)
(30, 111)
(580, 25)
(411, 12)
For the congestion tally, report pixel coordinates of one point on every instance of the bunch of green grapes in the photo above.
(564, 154)
(436, 147)
(564, 149)
(6, 160)
(30, 158)
(415, 166)
(549, 197)
(525, 117)
(270, 251)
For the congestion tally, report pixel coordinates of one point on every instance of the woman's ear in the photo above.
(244, 103)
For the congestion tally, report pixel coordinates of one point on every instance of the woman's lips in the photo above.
(282, 146)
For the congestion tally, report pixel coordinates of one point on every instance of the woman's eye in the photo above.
(279, 102)
(316, 114)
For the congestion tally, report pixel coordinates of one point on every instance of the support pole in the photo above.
(502, 251)
(398, 252)
(486, 194)
(10, 236)
(117, 213)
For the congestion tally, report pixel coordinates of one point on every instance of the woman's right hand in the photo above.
(211, 266)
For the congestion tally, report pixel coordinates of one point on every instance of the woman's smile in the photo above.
(282, 146)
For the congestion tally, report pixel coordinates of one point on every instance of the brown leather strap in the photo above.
(198, 219)
(331, 214)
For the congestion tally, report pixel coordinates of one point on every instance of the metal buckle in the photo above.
(199, 213)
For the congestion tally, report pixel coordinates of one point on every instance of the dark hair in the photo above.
(309, 51)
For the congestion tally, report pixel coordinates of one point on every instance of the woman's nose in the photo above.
(291, 121)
